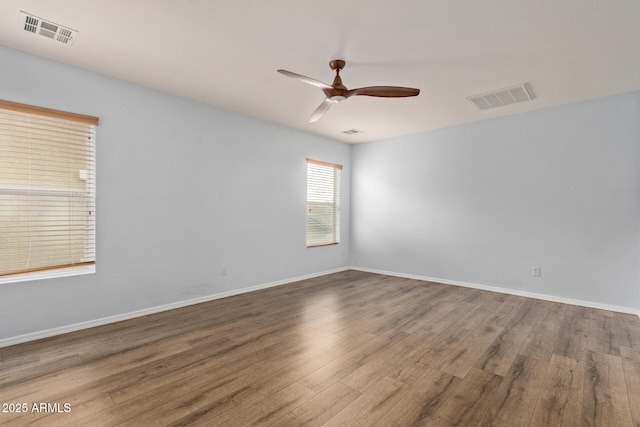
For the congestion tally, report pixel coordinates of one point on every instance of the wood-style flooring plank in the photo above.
(603, 336)
(502, 352)
(578, 311)
(468, 353)
(419, 405)
(572, 338)
(470, 400)
(514, 401)
(320, 408)
(364, 376)
(605, 400)
(367, 409)
(560, 399)
(631, 367)
(503, 314)
(434, 352)
(334, 371)
(263, 412)
(627, 329)
(541, 341)
(477, 308)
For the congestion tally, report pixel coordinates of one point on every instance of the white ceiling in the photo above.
(226, 53)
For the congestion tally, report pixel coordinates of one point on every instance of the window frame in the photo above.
(335, 204)
(82, 267)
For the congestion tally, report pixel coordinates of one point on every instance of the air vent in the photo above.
(35, 25)
(499, 98)
(352, 132)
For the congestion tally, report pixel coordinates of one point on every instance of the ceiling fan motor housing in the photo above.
(337, 64)
(337, 92)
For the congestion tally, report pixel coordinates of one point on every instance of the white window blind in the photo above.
(323, 203)
(47, 190)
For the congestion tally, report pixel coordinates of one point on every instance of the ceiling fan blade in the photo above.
(305, 79)
(323, 108)
(383, 91)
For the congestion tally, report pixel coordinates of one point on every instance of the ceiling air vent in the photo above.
(48, 29)
(352, 132)
(498, 98)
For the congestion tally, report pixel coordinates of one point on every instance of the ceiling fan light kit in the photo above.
(337, 92)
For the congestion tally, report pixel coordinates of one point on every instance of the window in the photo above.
(323, 203)
(47, 192)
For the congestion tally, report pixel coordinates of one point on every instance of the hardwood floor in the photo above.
(350, 348)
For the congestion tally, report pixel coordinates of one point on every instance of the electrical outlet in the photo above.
(535, 271)
(223, 270)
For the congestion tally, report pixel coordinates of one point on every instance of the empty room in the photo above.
(287, 213)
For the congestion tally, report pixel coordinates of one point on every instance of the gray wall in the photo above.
(182, 188)
(483, 203)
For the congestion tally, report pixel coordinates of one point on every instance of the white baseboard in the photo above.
(6, 342)
(553, 298)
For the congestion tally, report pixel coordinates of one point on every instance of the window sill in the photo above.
(322, 245)
(51, 274)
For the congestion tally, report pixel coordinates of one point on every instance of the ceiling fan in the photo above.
(337, 92)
